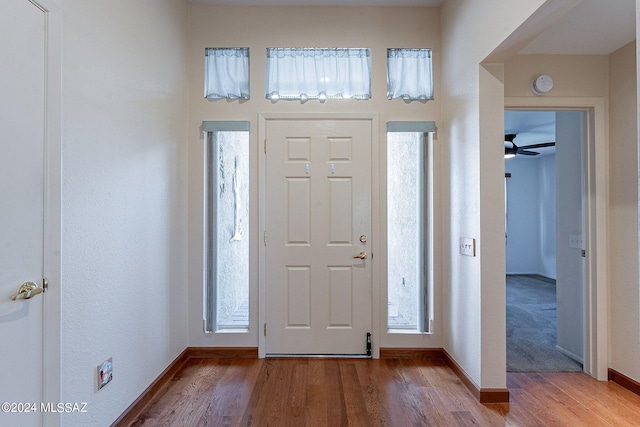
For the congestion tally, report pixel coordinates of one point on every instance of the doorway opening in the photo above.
(545, 247)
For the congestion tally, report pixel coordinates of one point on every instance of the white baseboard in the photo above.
(531, 273)
(570, 354)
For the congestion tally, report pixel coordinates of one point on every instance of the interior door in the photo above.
(570, 261)
(318, 223)
(22, 139)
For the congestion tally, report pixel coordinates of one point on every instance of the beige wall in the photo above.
(124, 211)
(573, 75)
(473, 178)
(624, 304)
(375, 28)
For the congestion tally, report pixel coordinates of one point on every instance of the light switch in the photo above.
(467, 246)
(575, 241)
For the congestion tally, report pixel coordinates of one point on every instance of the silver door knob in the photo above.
(361, 255)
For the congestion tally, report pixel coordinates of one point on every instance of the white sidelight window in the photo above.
(226, 73)
(409, 226)
(226, 242)
(303, 74)
(409, 74)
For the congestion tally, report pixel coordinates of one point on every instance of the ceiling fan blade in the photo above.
(527, 153)
(541, 145)
(510, 152)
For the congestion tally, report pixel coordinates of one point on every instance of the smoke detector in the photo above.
(541, 84)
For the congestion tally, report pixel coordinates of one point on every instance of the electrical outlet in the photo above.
(467, 246)
(105, 373)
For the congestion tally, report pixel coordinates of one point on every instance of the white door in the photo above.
(318, 217)
(570, 213)
(22, 136)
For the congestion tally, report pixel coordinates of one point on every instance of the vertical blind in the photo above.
(409, 74)
(318, 73)
(226, 73)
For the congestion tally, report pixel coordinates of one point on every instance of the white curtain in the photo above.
(409, 74)
(226, 73)
(318, 73)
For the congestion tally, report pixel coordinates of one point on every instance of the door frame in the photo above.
(52, 210)
(263, 120)
(595, 212)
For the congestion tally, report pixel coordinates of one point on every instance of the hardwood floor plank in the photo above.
(565, 407)
(336, 407)
(298, 391)
(231, 396)
(600, 397)
(537, 399)
(316, 394)
(373, 398)
(275, 404)
(352, 395)
(387, 392)
(412, 393)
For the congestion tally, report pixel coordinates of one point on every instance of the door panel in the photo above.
(318, 198)
(22, 135)
(570, 265)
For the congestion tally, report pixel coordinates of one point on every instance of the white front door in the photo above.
(22, 139)
(318, 218)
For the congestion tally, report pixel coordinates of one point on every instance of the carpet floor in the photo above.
(531, 327)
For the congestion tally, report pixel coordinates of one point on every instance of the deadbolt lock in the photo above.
(363, 238)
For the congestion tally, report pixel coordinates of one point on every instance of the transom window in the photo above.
(226, 73)
(409, 74)
(318, 73)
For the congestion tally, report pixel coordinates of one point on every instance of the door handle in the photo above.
(29, 290)
(361, 255)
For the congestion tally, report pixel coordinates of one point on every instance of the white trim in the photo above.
(530, 273)
(570, 355)
(52, 228)
(596, 212)
(263, 118)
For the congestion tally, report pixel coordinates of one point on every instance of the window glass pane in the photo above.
(404, 226)
(228, 230)
(226, 73)
(318, 73)
(409, 74)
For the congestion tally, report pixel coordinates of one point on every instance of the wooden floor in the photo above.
(385, 392)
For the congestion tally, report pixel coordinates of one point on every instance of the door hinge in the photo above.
(265, 329)
(266, 237)
(265, 146)
(584, 253)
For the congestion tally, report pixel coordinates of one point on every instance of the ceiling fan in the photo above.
(514, 150)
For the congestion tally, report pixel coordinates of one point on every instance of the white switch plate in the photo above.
(467, 246)
(575, 241)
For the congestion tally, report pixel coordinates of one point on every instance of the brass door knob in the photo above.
(29, 290)
(361, 255)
